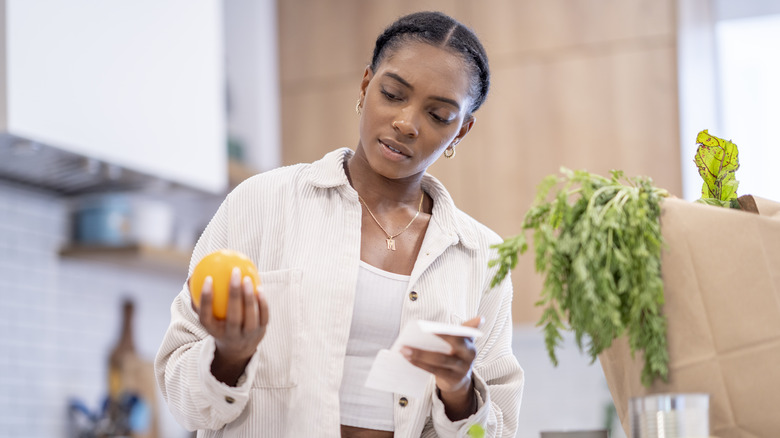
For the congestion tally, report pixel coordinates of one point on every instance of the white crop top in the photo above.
(376, 321)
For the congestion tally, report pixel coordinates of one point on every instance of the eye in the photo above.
(440, 119)
(390, 96)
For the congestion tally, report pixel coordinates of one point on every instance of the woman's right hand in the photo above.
(238, 335)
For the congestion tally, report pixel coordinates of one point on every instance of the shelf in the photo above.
(168, 260)
(139, 257)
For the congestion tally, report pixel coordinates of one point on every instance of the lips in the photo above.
(393, 149)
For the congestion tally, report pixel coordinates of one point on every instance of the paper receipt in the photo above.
(393, 373)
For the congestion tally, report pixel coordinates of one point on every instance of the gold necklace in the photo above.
(391, 238)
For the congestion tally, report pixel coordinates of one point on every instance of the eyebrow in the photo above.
(405, 83)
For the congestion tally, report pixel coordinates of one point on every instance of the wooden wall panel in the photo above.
(325, 39)
(587, 84)
(319, 39)
(315, 128)
(512, 27)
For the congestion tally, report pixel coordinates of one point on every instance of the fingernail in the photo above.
(208, 283)
(235, 277)
(247, 283)
(407, 352)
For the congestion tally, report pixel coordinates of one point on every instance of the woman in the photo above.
(349, 249)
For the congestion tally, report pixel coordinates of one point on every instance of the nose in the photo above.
(405, 126)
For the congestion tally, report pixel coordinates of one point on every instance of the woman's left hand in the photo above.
(452, 371)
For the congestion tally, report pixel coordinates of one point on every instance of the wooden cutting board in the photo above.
(128, 373)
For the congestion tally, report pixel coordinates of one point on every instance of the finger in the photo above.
(447, 374)
(431, 359)
(235, 304)
(251, 312)
(192, 301)
(455, 341)
(475, 322)
(206, 312)
(263, 306)
(462, 346)
(443, 374)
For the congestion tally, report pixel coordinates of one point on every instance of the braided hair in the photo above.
(440, 30)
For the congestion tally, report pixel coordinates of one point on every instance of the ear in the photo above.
(465, 127)
(368, 74)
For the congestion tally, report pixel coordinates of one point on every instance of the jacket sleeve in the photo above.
(183, 363)
(498, 378)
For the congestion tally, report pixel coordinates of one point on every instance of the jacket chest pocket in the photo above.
(278, 351)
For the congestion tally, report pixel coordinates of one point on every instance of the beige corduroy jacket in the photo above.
(301, 226)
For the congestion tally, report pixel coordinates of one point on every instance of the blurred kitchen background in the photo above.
(123, 124)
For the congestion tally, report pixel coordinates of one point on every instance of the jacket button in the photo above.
(230, 399)
(403, 402)
(413, 296)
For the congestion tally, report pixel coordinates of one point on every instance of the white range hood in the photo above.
(66, 172)
(117, 94)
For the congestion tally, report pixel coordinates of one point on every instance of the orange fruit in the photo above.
(219, 265)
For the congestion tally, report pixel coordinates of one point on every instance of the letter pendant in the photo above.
(391, 244)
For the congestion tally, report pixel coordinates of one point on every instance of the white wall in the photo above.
(253, 79)
(750, 92)
(572, 396)
(698, 85)
(60, 318)
(728, 84)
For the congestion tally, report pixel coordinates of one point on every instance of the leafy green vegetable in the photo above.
(717, 160)
(598, 243)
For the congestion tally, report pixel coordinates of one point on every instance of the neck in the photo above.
(377, 189)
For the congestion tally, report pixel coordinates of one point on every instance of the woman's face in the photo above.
(415, 105)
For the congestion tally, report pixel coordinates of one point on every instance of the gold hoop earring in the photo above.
(449, 152)
(394, 125)
(357, 106)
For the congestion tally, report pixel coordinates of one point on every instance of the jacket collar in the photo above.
(328, 172)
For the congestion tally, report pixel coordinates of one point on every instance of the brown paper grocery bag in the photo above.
(721, 273)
